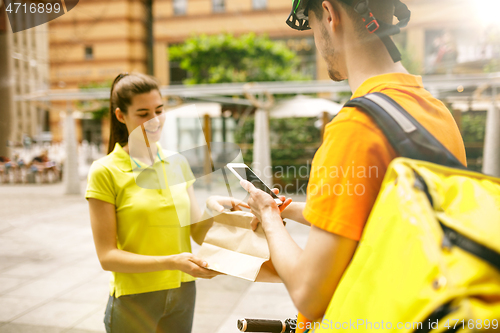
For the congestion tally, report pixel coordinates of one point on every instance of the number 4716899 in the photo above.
(34, 8)
(471, 324)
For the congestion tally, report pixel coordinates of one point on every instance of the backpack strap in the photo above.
(406, 135)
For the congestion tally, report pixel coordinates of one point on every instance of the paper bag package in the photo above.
(232, 248)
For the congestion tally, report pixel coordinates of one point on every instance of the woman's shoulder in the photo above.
(106, 164)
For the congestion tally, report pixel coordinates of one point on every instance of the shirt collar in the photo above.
(125, 163)
(391, 79)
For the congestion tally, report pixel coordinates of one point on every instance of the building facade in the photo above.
(30, 50)
(29, 73)
(96, 41)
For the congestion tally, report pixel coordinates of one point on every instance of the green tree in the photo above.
(294, 142)
(225, 58)
(99, 109)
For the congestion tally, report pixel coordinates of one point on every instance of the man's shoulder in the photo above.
(414, 100)
(351, 121)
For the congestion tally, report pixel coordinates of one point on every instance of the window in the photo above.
(89, 53)
(180, 7)
(259, 4)
(219, 6)
(45, 120)
(177, 74)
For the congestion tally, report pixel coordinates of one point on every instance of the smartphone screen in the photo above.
(247, 173)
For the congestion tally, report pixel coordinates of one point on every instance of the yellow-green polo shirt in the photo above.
(147, 220)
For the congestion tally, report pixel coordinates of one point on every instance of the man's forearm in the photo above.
(294, 212)
(284, 253)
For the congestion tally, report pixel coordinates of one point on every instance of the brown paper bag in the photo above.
(232, 248)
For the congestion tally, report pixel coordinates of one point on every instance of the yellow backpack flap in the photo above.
(429, 257)
(407, 270)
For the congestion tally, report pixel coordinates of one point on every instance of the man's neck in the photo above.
(364, 62)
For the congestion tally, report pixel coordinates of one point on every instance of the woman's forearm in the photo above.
(294, 212)
(126, 262)
(120, 261)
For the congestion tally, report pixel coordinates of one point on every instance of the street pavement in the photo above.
(51, 280)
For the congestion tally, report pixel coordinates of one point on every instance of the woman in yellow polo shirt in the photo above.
(137, 231)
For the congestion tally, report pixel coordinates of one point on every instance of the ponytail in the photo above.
(124, 88)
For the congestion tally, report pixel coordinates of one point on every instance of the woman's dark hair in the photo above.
(124, 88)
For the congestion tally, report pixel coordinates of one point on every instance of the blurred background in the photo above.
(65, 67)
(54, 121)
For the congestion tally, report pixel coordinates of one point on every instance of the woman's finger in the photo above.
(214, 205)
(241, 203)
(200, 262)
(231, 202)
(206, 273)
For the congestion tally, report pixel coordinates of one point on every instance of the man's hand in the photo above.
(262, 203)
(286, 202)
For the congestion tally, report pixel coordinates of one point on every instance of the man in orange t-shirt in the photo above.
(348, 169)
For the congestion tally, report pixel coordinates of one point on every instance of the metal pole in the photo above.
(149, 37)
(6, 85)
(491, 162)
(209, 165)
(261, 147)
(71, 176)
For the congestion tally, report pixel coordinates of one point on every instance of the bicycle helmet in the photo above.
(299, 20)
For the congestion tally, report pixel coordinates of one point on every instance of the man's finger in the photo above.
(275, 190)
(247, 185)
(285, 204)
(255, 222)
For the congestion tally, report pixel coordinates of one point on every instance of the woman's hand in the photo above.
(218, 203)
(194, 266)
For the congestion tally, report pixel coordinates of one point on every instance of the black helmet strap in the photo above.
(384, 30)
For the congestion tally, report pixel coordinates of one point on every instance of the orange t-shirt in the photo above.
(348, 169)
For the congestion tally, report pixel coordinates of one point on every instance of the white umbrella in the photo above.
(303, 106)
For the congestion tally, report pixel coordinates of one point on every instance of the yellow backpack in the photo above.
(429, 257)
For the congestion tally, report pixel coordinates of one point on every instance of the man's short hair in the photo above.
(383, 10)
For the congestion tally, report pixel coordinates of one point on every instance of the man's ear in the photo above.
(119, 115)
(331, 14)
